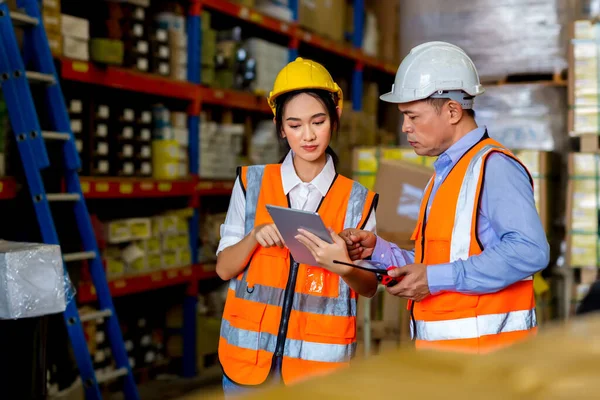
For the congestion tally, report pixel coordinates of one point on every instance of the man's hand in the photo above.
(414, 285)
(360, 244)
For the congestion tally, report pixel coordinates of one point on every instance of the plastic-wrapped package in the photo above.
(32, 280)
(503, 37)
(528, 116)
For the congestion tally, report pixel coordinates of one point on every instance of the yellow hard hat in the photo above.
(303, 74)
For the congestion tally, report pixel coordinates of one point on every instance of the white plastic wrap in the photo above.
(503, 37)
(32, 280)
(528, 116)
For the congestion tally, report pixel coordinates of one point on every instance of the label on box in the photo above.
(142, 64)
(179, 120)
(75, 27)
(101, 130)
(103, 111)
(79, 145)
(164, 69)
(145, 134)
(139, 14)
(163, 52)
(146, 168)
(128, 115)
(76, 125)
(103, 166)
(118, 231)
(76, 106)
(127, 151)
(145, 151)
(138, 30)
(146, 117)
(102, 148)
(161, 35)
(142, 47)
(128, 132)
(75, 48)
(128, 168)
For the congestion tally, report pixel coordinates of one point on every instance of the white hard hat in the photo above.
(438, 70)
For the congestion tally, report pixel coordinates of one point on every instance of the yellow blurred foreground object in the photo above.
(562, 362)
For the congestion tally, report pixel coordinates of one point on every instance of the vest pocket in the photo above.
(269, 266)
(245, 319)
(331, 327)
(318, 281)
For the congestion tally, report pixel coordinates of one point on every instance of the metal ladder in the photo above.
(31, 142)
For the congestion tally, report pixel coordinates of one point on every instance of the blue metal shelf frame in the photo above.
(194, 32)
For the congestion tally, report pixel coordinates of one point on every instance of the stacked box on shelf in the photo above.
(169, 144)
(160, 52)
(171, 231)
(366, 164)
(124, 142)
(174, 24)
(229, 61)
(279, 9)
(540, 166)
(582, 210)
(366, 161)
(76, 36)
(181, 135)
(584, 89)
(78, 116)
(51, 19)
(143, 144)
(208, 49)
(100, 147)
(325, 17)
(270, 59)
(135, 38)
(220, 149)
(143, 342)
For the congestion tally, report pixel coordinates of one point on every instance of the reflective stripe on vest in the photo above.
(309, 351)
(461, 232)
(302, 302)
(474, 327)
(344, 305)
(455, 327)
(254, 177)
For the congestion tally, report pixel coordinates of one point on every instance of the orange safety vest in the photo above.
(279, 308)
(451, 320)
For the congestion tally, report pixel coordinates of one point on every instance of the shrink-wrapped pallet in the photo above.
(32, 280)
(503, 37)
(525, 116)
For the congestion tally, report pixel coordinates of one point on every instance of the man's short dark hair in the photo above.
(439, 103)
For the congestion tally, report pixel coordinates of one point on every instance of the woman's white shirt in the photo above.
(304, 196)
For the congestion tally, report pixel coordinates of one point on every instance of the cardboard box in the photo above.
(52, 21)
(75, 27)
(56, 43)
(582, 210)
(76, 49)
(325, 17)
(400, 185)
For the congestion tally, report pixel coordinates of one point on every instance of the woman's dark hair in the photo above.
(328, 99)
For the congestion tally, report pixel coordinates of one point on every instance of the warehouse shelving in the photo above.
(197, 95)
(145, 282)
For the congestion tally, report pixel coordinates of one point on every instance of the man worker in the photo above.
(478, 239)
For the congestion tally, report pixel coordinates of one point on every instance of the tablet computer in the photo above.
(289, 220)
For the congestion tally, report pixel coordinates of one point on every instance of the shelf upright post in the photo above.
(294, 42)
(191, 297)
(357, 39)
